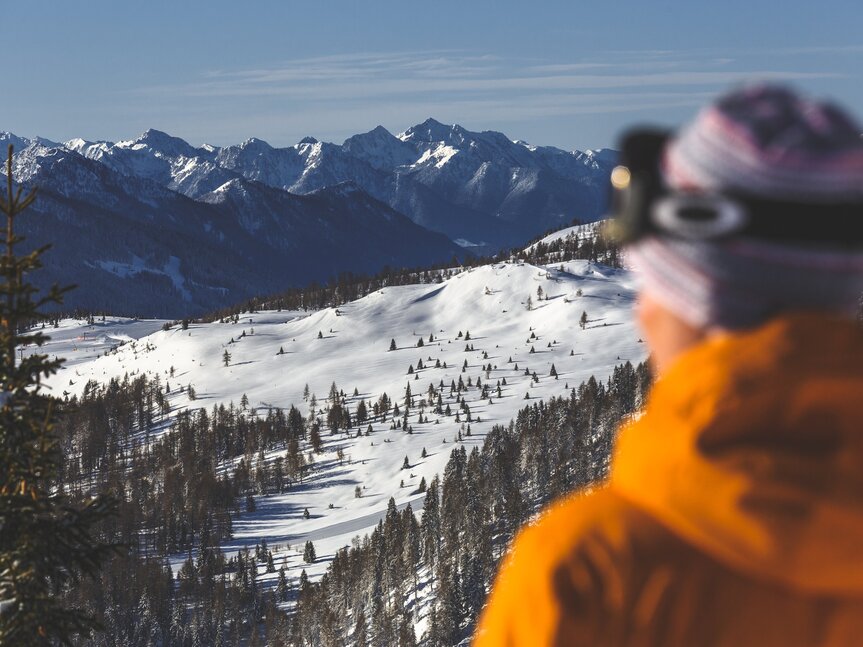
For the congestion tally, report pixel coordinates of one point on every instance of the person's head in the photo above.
(753, 210)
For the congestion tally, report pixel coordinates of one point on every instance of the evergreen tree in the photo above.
(282, 586)
(304, 580)
(362, 413)
(47, 542)
(360, 630)
(449, 605)
(309, 553)
(392, 344)
(226, 357)
(271, 568)
(315, 438)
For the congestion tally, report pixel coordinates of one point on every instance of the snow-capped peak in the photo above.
(608, 155)
(7, 138)
(46, 143)
(77, 144)
(381, 149)
(253, 143)
(160, 143)
(430, 130)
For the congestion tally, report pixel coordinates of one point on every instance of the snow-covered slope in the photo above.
(577, 232)
(350, 346)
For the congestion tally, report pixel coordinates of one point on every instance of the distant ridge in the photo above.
(125, 209)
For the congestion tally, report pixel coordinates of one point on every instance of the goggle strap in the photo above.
(837, 224)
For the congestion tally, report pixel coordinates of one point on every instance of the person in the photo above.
(734, 509)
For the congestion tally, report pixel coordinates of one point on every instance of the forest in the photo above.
(180, 481)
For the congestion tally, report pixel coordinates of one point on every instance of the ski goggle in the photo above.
(642, 204)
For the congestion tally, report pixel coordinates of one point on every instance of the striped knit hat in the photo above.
(769, 142)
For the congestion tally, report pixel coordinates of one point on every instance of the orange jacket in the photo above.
(734, 515)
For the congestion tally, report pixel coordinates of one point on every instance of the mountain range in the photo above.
(155, 226)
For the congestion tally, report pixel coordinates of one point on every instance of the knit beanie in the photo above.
(769, 142)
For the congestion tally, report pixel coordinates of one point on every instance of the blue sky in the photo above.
(570, 74)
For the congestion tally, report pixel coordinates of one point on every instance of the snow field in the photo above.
(489, 302)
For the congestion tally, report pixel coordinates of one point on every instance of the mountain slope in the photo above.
(142, 248)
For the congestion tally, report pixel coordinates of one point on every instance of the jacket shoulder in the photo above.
(566, 577)
(599, 571)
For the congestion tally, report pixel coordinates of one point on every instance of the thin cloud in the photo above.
(334, 121)
(823, 49)
(331, 96)
(387, 75)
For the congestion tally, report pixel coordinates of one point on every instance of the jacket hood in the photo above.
(751, 448)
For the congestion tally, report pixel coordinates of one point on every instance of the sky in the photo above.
(571, 74)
